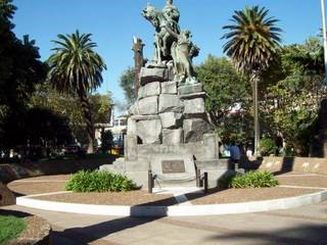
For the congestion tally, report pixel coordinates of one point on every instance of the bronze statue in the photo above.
(171, 43)
(163, 39)
(183, 50)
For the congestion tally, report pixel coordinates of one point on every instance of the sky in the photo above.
(113, 23)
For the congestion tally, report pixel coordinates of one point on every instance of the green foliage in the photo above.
(253, 179)
(68, 107)
(226, 90)
(267, 146)
(99, 181)
(293, 102)
(11, 227)
(106, 141)
(307, 58)
(20, 70)
(252, 40)
(127, 83)
(101, 106)
(76, 68)
(224, 86)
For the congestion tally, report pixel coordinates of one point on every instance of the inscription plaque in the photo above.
(172, 166)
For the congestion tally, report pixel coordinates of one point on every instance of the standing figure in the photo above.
(183, 50)
(235, 155)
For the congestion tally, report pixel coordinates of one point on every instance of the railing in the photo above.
(151, 179)
(202, 180)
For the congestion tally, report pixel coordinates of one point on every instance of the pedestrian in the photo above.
(235, 155)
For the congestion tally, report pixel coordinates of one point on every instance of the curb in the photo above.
(160, 211)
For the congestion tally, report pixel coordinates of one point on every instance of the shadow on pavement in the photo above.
(94, 232)
(13, 213)
(86, 235)
(302, 234)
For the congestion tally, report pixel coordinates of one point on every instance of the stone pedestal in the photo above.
(168, 132)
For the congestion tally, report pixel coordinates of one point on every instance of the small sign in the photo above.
(172, 166)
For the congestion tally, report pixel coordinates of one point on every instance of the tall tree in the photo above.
(76, 68)
(252, 42)
(292, 107)
(20, 70)
(226, 90)
(127, 83)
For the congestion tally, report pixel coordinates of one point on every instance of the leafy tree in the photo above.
(76, 68)
(252, 43)
(293, 104)
(127, 83)
(67, 106)
(20, 70)
(101, 106)
(226, 91)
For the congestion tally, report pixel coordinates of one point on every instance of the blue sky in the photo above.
(113, 24)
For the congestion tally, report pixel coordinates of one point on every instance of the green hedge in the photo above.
(99, 181)
(252, 179)
(10, 228)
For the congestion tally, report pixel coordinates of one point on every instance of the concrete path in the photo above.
(305, 225)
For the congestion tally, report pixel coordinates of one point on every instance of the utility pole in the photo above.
(323, 13)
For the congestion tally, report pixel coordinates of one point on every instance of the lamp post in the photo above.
(323, 13)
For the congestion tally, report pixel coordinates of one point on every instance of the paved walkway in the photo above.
(305, 225)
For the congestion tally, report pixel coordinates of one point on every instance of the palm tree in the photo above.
(76, 68)
(252, 43)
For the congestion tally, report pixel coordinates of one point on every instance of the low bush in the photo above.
(253, 179)
(10, 228)
(99, 181)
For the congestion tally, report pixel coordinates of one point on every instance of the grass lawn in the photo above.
(10, 228)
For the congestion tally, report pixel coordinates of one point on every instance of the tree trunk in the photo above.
(86, 108)
(254, 81)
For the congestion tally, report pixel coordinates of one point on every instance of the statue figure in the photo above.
(163, 39)
(183, 50)
(171, 13)
(171, 43)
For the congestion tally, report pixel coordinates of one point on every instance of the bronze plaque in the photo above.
(172, 166)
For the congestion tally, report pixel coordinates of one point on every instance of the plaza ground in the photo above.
(303, 225)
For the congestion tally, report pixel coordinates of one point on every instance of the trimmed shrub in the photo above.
(254, 179)
(99, 181)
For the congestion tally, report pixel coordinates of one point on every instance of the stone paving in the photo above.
(305, 225)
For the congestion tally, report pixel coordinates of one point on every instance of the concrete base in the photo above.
(138, 172)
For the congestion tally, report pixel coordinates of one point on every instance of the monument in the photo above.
(168, 130)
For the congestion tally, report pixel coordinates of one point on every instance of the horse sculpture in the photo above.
(163, 39)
